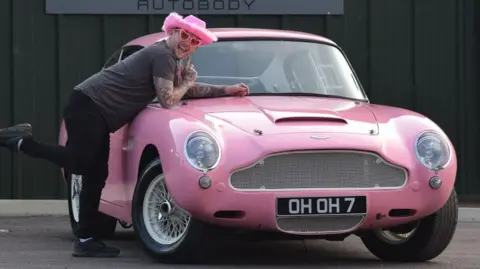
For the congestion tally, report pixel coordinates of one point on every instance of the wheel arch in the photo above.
(149, 153)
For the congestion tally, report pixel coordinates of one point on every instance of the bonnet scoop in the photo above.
(287, 117)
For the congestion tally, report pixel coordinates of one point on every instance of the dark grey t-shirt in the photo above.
(124, 89)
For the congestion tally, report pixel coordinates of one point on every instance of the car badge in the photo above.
(319, 137)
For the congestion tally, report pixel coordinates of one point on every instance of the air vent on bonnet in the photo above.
(310, 119)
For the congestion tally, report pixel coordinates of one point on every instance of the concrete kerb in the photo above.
(15, 208)
(12, 208)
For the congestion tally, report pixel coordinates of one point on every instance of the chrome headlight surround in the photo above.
(432, 150)
(202, 151)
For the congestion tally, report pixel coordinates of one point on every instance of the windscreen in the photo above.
(273, 66)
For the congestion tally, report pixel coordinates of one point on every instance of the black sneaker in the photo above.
(10, 136)
(93, 248)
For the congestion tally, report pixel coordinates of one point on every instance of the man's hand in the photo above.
(189, 73)
(237, 90)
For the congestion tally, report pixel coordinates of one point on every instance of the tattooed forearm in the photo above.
(167, 94)
(206, 90)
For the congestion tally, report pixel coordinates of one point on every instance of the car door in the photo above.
(120, 143)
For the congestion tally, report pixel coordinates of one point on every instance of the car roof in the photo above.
(232, 33)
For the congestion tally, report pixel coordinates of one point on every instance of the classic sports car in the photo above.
(305, 156)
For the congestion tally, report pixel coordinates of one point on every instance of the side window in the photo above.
(121, 54)
(127, 51)
(113, 59)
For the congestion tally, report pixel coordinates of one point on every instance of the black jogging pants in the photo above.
(86, 154)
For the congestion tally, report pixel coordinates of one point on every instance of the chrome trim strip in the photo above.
(319, 215)
(323, 232)
(318, 189)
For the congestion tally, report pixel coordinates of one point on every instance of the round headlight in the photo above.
(432, 150)
(202, 151)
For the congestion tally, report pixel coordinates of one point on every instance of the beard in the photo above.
(182, 49)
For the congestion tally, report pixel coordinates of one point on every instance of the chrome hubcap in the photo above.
(395, 238)
(165, 210)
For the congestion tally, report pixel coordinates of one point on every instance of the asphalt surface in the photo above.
(46, 242)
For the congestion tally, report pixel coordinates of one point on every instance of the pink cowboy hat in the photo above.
(191, 24)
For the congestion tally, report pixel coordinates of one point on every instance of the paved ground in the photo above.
(45, 242)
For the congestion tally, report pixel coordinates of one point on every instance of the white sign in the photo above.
(187, 7)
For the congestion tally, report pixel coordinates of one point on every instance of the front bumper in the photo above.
(257, 209)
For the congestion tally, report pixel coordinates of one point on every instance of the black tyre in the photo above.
(429, 238)
(166, 232)
(105, 225)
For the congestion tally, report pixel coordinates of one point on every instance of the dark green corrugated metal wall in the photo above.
(419, 55)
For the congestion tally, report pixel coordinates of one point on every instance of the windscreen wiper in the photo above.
(306, 94)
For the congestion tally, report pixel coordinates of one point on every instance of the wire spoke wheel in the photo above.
(165, 222)
(167, 232)
(418, 241)
(395, 238)
(76, 188)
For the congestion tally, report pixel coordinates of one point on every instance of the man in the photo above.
(108, 100)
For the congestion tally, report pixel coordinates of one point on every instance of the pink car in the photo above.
(305, 156)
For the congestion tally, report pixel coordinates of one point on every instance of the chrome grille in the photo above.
(319, 224)
(319, 169)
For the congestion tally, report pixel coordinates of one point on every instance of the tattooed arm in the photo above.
(163, 70)
(198, 89)
(167, 94)
(206, 90)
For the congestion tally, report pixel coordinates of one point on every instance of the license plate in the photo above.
(321, 205)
